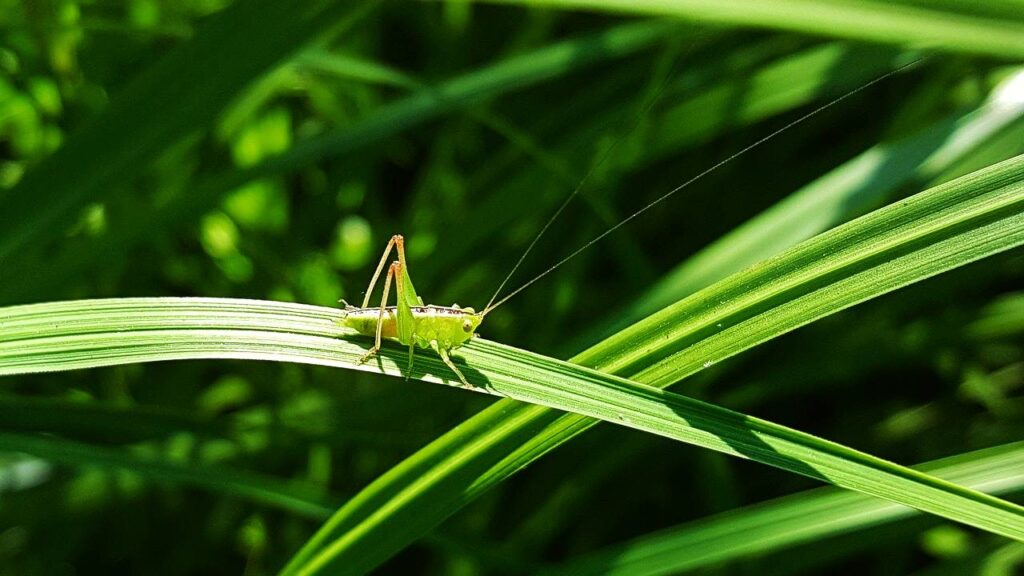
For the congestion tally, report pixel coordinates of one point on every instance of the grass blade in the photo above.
(301, 499)
(956, 222)
(454, 469)
(108, 332)
(889, 22)
(790, 521)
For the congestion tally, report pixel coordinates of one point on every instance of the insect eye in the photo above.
(467, 326)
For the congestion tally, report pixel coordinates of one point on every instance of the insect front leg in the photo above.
(380, 318)
(443, 353)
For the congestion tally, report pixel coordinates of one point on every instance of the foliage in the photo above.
(257, 155)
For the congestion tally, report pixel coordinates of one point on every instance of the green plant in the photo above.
(263, 156)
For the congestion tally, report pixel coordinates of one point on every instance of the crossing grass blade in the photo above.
(870, 20)
(948, 226)
(81, 334)
(979, 214)
(494, 444)
(784, 523)
(462, 125)
(790, 521)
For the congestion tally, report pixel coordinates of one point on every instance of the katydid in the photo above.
(411, 322)
(445, 328)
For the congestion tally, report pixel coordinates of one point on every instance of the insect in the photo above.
(412, 323)
(445, 328)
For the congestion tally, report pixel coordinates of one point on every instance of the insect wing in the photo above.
(406, 300)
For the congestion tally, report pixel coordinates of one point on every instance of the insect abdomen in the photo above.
(364, 321)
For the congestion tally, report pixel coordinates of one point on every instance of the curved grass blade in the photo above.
(296, 497)
(870, 20)
(948, 226)
(96, 333)
(991, 206)
(790, 521)
(301, 499)
(433, 483)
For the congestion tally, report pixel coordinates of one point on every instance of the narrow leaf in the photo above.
(790, 521)
(491, 446)
(871, 20)
(107, 332)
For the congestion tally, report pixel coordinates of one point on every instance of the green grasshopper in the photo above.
(411, 322)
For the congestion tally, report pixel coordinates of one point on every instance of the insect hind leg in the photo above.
(380, 317)
(395, 240)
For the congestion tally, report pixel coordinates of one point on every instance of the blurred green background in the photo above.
(210, 148)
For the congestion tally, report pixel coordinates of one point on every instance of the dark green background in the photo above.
(268, 151)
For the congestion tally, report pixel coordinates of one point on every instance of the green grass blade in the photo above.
(296, 497)
(870, 20)
(948, 226)
(451, 471)
(354, 68)
(1003, 318)
(301, 499)
(178, 95)
(96, 333)
(790, 521)
(875, 252)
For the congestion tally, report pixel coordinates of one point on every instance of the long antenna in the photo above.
(605, 154)
(693, 179)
